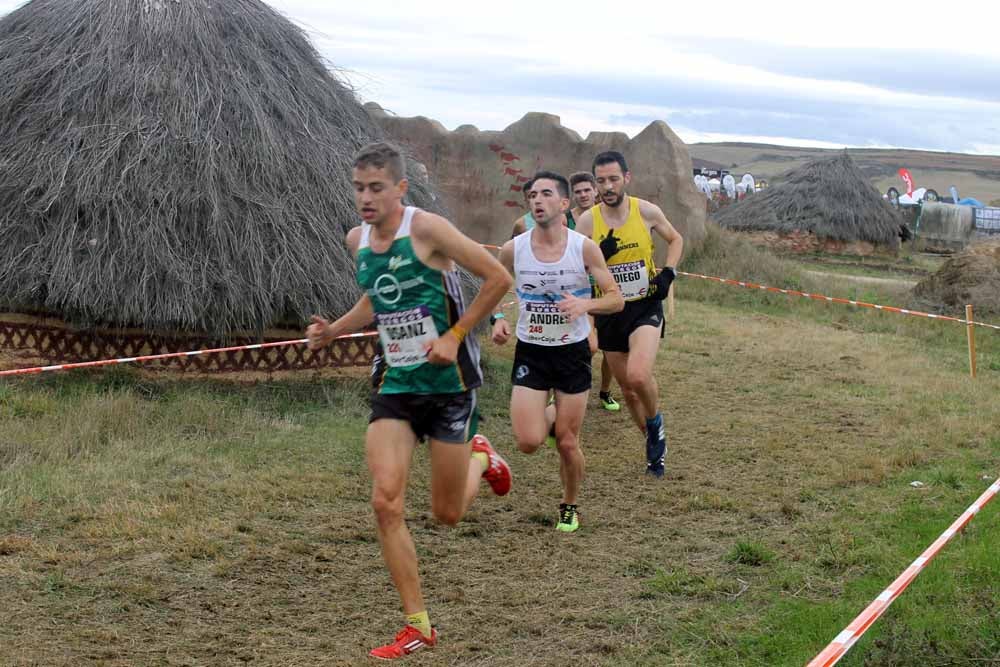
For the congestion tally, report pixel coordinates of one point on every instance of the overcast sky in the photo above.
(848, 73)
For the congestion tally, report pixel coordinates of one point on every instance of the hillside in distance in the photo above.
(974, 175)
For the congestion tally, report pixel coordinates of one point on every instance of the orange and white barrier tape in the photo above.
(822, 297)
(832, 299)
(846, 639)
(168, 355)
(172, 355)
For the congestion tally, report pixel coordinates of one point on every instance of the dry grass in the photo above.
(197, 525)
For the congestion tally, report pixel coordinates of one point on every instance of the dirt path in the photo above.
(905, 283)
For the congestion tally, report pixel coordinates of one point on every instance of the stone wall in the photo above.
(479, 174)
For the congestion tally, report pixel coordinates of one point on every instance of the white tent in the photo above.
(729, 183)
(917, 196)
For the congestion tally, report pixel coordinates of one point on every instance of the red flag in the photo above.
(905, 175)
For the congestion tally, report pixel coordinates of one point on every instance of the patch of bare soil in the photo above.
(865, 280)
(865, 266)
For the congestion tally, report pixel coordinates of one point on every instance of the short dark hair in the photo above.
(607, 157)
(562, 185)
(526, 188)
(382, 155)
(580, 177)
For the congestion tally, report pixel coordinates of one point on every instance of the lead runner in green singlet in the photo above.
(428, 371)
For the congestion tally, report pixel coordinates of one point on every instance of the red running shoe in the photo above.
(408, 640)
(498, 474)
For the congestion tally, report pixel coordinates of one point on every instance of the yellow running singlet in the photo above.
(632, 266)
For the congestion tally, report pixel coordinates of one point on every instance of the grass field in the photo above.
(973, 175)
(146, 520)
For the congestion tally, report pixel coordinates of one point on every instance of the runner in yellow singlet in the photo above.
(622, 226)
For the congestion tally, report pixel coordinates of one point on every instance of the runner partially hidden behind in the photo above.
(551, 265)
(622, 227)
(583, 187)
(426, 383)
(526, 221)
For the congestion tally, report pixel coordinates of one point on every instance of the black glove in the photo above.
(609, 245)
(660, 285)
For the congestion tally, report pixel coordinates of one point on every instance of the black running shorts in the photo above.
(444, 417)
(613, 330)
(565, 368)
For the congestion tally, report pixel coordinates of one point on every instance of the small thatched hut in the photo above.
(826, 204)
(969, 277)
(176, 165)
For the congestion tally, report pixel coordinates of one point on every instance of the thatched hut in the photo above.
(827, 204)
(173, 166)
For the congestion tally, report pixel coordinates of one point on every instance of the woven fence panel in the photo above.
(59, 345)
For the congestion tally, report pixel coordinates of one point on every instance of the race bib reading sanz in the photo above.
(632, 279)
(547, 325)
(405, 335)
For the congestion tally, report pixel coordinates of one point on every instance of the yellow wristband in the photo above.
(459, 332)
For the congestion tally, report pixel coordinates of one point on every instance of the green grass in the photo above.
(750, 553)
(80, 440)
(921, 628)
(161, 521)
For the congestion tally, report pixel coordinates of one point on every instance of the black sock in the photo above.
(605, 394)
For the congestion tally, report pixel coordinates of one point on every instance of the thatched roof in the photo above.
(173, 164)
(829, 197)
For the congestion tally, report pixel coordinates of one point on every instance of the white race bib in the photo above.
(405, 335)
(632, 279)
(546, 324)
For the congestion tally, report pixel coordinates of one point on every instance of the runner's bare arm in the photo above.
(585, 224)
(501, 327)
(353, 240)
(611, 300)
(444, 239)
(519, 227)
(658, 222)
(506, 256)
(321, 331)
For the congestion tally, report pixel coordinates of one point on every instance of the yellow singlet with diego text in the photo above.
(632, 266)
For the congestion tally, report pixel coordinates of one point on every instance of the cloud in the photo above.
(854, 114)
(932, 73)
(465, 63)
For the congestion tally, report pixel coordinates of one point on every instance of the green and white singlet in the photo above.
(414, 304)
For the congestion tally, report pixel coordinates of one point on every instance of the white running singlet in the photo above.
(540, 287)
